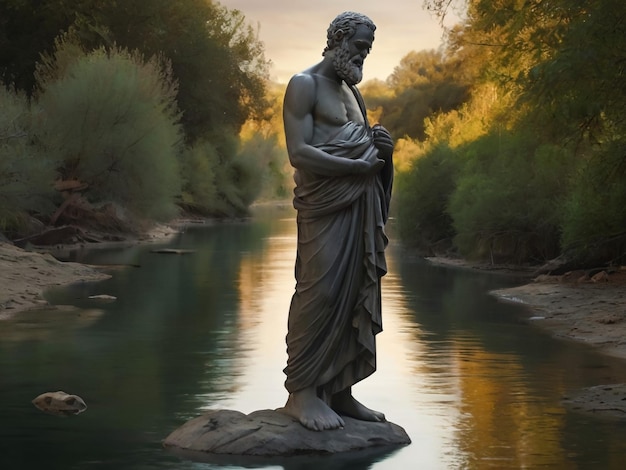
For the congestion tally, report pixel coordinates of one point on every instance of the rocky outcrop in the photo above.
(219, 434)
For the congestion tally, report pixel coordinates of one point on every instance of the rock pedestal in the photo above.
(219, 434)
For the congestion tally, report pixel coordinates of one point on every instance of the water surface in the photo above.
(474, 385)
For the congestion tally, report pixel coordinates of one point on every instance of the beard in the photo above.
(348, 71)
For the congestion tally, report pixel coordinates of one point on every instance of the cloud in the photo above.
(294, 32)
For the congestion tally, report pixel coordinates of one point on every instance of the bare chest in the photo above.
(336, 105)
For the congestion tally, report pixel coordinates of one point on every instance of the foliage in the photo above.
(218, 180)
(199, 186)
(273, 176)
(489, 108)
(421, 200)
(222, 177)
(215, 56)
(506, 203)
(539, 143)
(28, 29)
(405, 152)
(421, 85)
(594, 222)
(263, 139)
(111, 121)
(580, 84)
(26, 176)
(119, 122)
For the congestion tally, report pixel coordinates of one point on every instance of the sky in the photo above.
(294, 31)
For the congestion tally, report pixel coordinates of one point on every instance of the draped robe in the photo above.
(335, 312)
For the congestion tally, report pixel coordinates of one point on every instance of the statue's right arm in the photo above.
(299, 121)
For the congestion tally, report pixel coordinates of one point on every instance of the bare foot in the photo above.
(311, 411)
(344, 403)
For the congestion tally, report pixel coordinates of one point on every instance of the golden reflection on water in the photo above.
(266, 283)
(471, 390)
(464, 406)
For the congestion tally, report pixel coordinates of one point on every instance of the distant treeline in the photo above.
(513, 138)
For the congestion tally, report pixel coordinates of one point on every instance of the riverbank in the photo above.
(25, 275)
(579, 307)
(587, 310)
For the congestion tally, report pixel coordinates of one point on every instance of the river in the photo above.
(473, 383)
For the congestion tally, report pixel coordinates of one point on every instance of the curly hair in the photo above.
(344, 26)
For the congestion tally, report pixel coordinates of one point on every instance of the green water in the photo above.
(471, 382)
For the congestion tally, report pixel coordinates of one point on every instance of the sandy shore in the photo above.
(582, 310)
(24, 277)
(588, 311)
(572, 306)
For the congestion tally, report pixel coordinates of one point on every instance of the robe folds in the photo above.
(335, 312)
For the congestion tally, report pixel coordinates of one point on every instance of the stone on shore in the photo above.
(269, 433)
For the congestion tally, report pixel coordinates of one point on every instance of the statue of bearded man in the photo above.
(343, 175)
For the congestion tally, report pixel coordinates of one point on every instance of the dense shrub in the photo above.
(421, 200)
(594, 222)
(220, 181)
(198, 169)
(274, 173)
(26, 176)
(506, 203)
(111, 120)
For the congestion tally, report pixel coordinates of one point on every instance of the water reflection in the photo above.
(470, 381)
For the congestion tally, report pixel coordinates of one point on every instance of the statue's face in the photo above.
(349, 56)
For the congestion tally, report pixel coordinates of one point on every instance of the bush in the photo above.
(269, 162)
(26, 176)
(506, 204)
(198, 169)
(421, 198)
(219, 181)
(594, 222)
(111, 120)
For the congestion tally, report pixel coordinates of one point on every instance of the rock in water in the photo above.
(60, 403)
(269, 433)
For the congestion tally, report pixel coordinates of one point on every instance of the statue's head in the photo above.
(343, 27)
(339, 35)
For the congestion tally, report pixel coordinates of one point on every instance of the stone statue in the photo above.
(343, 174)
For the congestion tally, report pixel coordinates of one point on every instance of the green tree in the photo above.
(217, 184)
(216, 57)
(424, 83)
(556, 70)
(263, 139)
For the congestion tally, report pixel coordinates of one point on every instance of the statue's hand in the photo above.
(363, 167)
(383, 141)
